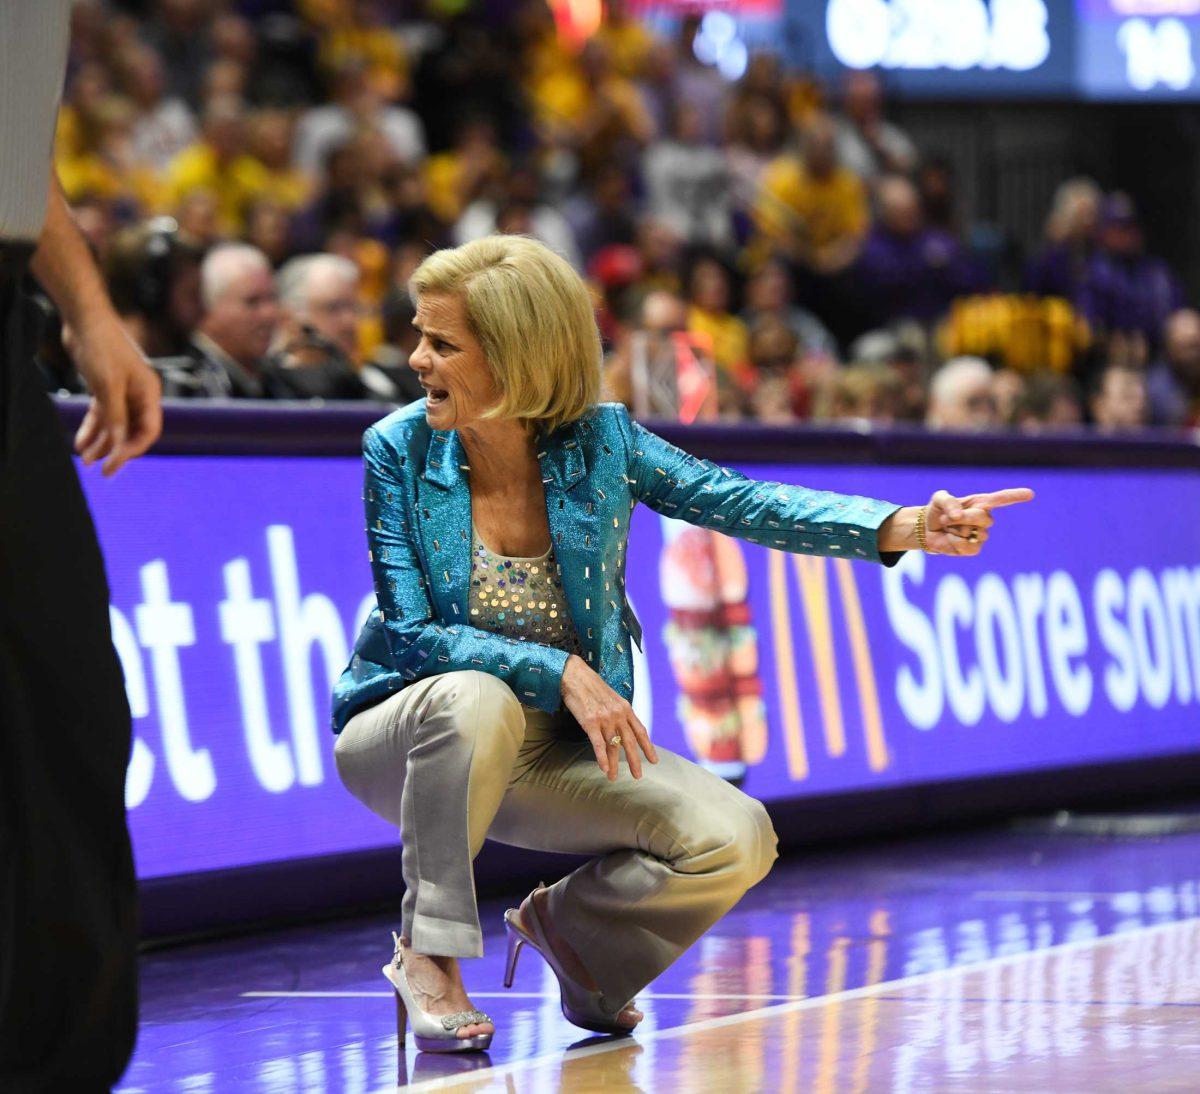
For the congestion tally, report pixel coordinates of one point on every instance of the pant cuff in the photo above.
(445, 938)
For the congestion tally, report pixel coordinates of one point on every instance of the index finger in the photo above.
(999, 498)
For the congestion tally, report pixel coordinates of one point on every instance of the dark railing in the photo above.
(335, 429)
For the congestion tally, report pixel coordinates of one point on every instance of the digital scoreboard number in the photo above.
(1134, 49)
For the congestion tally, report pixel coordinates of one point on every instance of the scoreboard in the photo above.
(1088, 49)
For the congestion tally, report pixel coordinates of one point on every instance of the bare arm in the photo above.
(125, 417)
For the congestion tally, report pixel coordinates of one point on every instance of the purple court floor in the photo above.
(996, 961)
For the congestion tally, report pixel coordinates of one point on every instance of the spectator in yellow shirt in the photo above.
(219, 163)
(628, 40)
(813, 209)
(722, 334)
(270, 135)
(106, 164)
(458, 176)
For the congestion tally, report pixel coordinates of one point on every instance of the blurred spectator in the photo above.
(712, 321)
(1008, 386)
(315, 354)
(780, 391)
(660, 316)
(901, 352)
(661, 256)
(390, 359)
(687, 183)
(269, 136)
(153, 275)
(908, 270)
(961, 398)
(105, 163)
(356, 105)
(658, 86)
(94, 216)
(1060, 266)
(1048, 402)
(521, 188)
(269, 228)
(935, 183)
(755, 142)
(321, 291)
(601, 216)
(659, 368)
(867, 144)
(1125, 290)
(813, 209)
(407, 214)
(455, 178)
(697, 83)
(356, 32)
(626, 38)
(859, 394)
(219, 164)
(615, 122)
(241, 315)
(1119, 400)
(339, 205)
(762, 83)
(1173, 381)
(178, 30)
(769, 294)
(163, 126)
(198, 217)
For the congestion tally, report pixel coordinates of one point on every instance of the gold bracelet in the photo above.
(921, 528)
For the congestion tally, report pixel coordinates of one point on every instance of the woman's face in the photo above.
(450, 364)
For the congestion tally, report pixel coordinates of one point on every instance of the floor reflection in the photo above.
(805, 951)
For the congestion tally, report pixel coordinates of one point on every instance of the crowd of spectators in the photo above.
(259, 179)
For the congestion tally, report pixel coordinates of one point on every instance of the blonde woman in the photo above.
(490, 694)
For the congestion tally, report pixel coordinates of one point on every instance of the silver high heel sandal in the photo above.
(586, 1009)
(433, 1032)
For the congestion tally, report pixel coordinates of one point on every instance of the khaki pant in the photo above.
(453, 759)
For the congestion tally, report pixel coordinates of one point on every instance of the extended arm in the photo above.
(125, 417)
(789, 518)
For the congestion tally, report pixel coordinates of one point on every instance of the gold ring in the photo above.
(615, 741)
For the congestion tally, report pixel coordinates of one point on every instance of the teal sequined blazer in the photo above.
(595, 470)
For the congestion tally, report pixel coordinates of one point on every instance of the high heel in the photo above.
(432, 1032)
(586, 1009)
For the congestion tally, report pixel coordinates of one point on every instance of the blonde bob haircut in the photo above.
(533, 316)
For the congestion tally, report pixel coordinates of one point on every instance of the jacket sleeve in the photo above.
(419, 644)
(788, 518)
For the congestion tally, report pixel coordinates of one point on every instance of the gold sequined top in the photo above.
(520, 598)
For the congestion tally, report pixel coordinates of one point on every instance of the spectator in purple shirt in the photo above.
(1059, 267)
(908, 270)
(1173, 381)
(1126, 290)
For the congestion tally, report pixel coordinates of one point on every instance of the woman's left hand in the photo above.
(953, 526)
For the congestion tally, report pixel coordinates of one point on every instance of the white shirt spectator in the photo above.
(325, 127)
(547, 225)
(687, 187)
(161, 133)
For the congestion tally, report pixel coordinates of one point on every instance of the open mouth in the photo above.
(434, 396)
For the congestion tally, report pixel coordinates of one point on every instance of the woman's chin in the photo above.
(438, 415)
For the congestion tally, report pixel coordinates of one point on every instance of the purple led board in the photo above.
(238, 585)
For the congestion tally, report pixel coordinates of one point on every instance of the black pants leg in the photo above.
(68, 930)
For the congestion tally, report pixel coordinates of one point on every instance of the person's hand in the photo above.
(125, 416)
(953, 526)
(603, 715)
